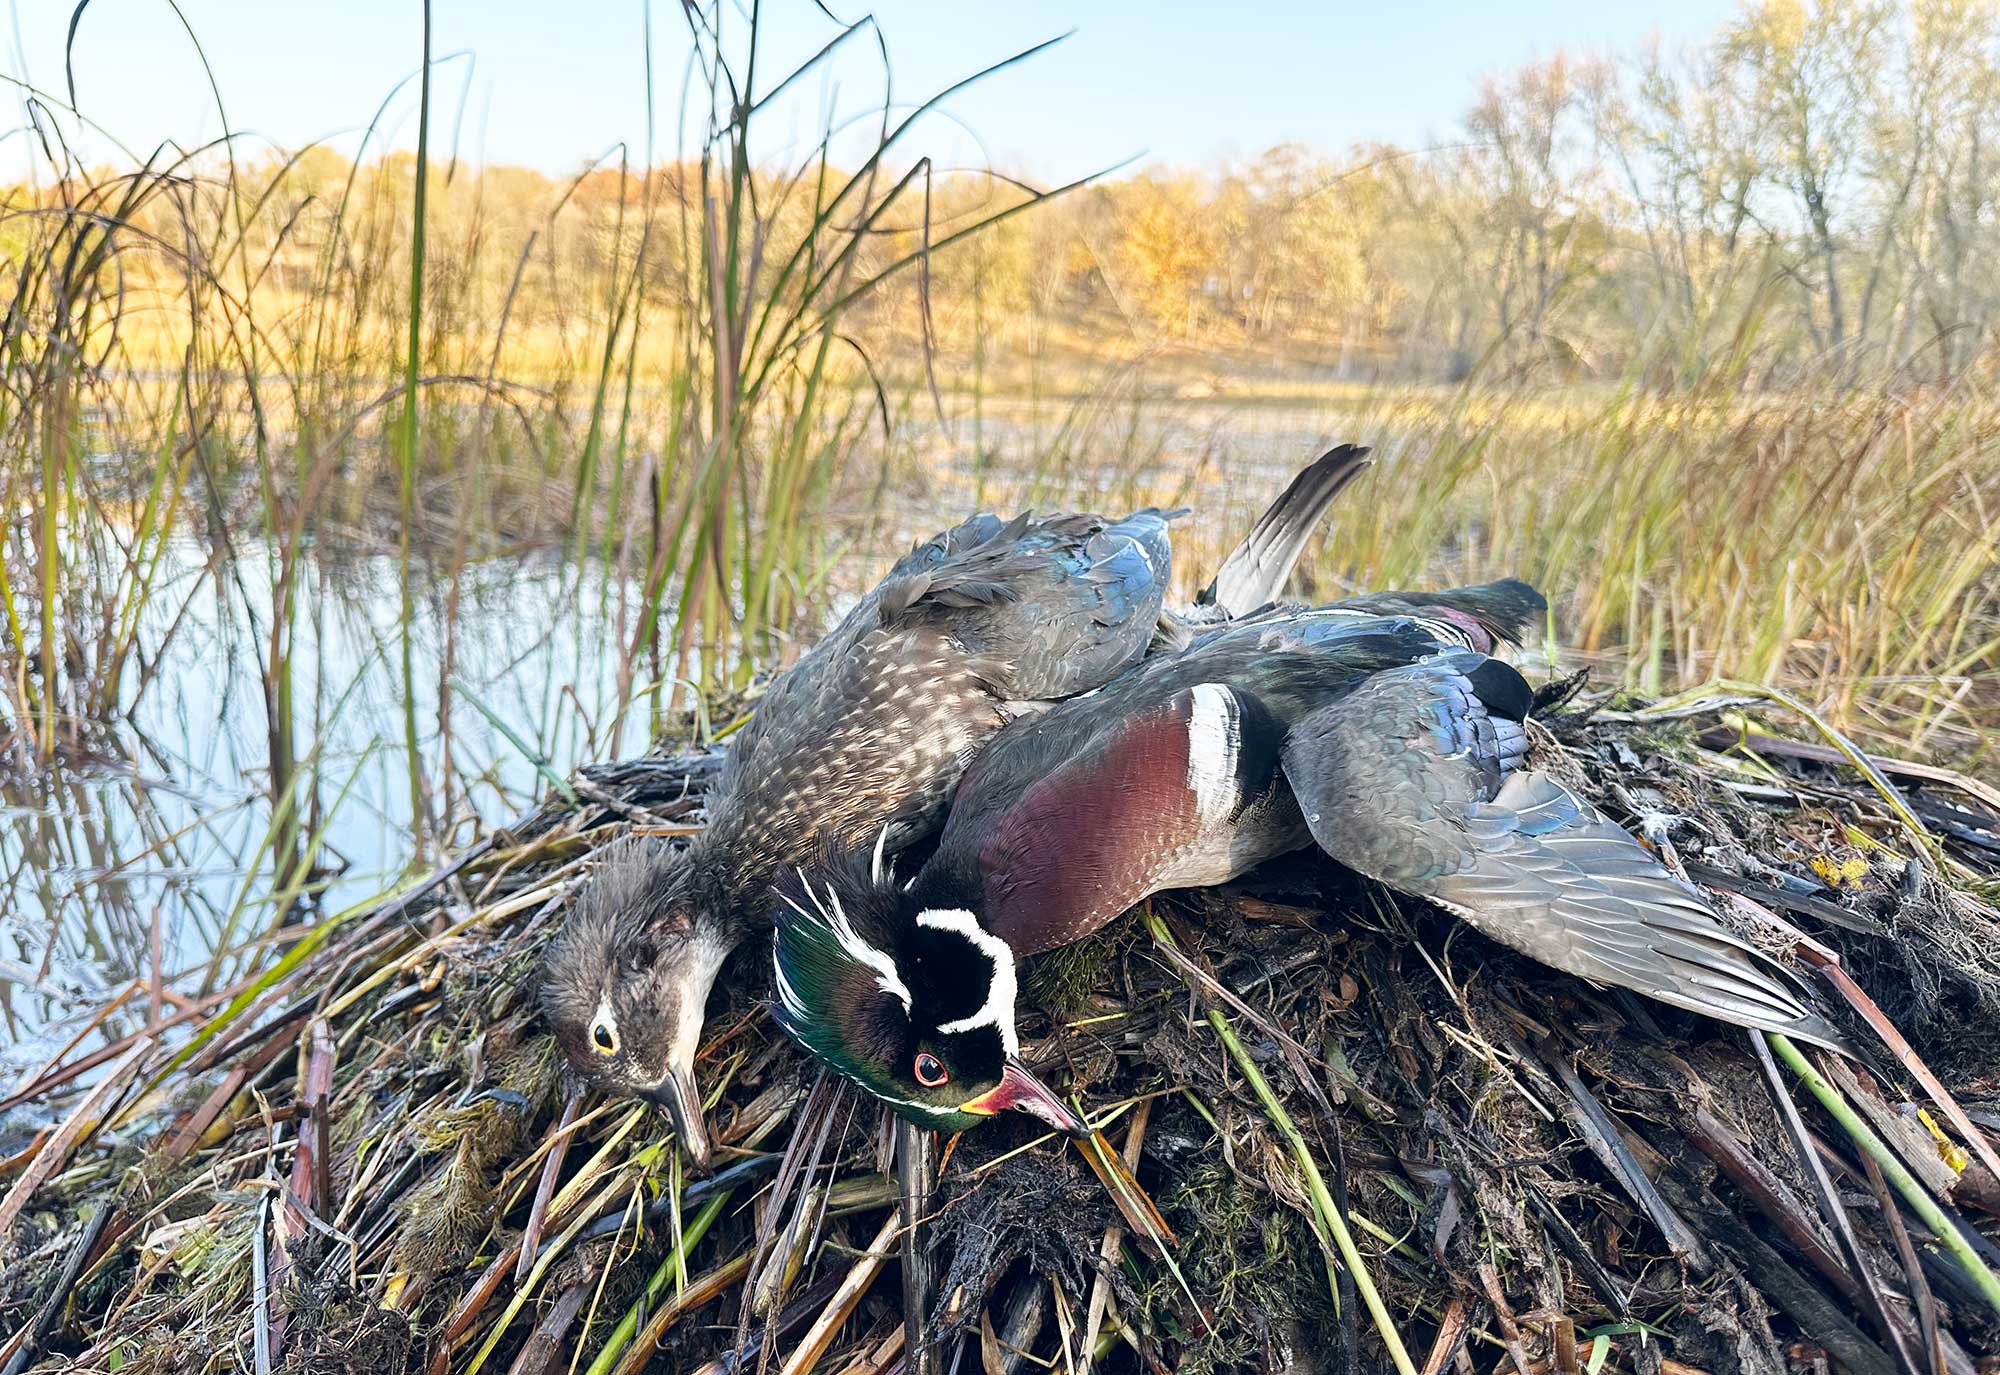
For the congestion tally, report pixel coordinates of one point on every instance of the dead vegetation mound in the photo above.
(368, 1158)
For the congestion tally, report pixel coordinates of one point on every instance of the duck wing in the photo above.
(1047, 608)
(875, 724)
(1416, 779)
(1483, 614)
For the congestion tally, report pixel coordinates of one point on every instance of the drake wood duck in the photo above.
(864, 739)
(1394, 741)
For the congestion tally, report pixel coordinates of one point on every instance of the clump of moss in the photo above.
(1060, 981)
(446, 1215)
(335, 1329)
(1257, 1267)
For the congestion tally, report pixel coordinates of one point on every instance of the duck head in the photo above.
(626, 982)
(912, 1003)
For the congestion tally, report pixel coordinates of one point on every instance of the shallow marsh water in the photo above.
(167, 823)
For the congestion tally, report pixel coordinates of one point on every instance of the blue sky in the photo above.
(553, 85)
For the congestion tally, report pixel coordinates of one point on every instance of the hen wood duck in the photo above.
(1392, 740)
(863, 740)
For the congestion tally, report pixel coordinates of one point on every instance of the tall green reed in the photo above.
(773, 262)
(407, 444)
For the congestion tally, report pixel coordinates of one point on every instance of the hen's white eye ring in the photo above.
(604, 1036)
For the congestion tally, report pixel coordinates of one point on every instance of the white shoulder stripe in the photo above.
(1215, 740)
(878, 869)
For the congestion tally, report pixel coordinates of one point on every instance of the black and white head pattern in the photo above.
(916, 1005)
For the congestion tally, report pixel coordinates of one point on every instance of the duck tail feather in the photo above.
(1256, 570)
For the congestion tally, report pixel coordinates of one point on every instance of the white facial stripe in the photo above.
(859, 950)
(787, 995)
(1215, 738)
(928, 1109)
(998, 1010)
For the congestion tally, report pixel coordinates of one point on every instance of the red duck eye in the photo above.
(930, 1070)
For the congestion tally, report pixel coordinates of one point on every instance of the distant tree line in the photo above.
(1821, 177)
(1811, 190)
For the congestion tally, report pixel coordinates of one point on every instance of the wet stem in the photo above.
(407, 455)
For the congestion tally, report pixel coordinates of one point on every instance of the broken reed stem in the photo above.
(545, 1187)
(717, 1282)
(1322, 1201)
(670, 1272)
(850, 1293)
(916, 1180)
(1927, 844)
(260, 1285)
(1107, 1254)
(1920, 1201)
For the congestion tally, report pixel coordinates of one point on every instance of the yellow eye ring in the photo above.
(604, 1038)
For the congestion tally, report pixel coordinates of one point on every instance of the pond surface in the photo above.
(169, 829)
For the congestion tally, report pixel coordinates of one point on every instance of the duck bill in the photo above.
(1023, 1092)
(682, 1100)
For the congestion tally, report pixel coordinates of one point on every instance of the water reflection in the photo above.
(153, 851)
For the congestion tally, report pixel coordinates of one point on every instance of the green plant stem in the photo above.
(1863, 1136)
(408, 456)
(1329, 1215)
(528, 752)
(669, 1272)
(54, 465)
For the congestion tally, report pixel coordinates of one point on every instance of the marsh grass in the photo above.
(287, 353)
(723, 392)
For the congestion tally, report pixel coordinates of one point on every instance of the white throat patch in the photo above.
(998, 1010)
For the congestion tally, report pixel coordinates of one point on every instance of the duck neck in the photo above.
(721, 881)
(947, 883)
